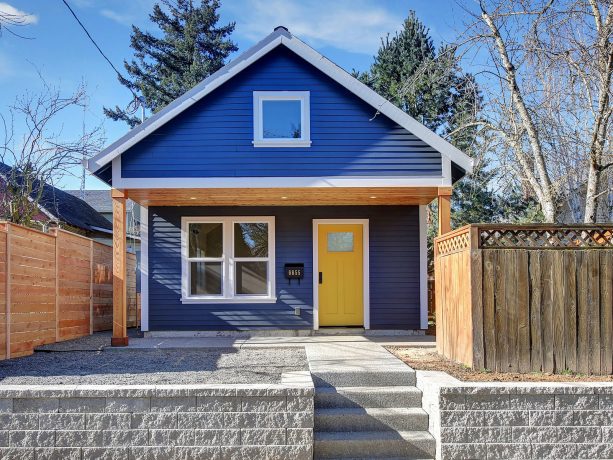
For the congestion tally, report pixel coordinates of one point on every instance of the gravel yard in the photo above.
(99, 367)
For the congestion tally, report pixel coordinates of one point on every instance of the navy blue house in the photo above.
(279, 193)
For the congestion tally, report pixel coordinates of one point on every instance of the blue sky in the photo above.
(346, 31)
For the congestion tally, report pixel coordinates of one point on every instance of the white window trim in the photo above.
(365, 265)
(228, 261)
(305, 119)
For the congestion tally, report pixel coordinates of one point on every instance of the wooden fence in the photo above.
(526, 298)
(53, 287)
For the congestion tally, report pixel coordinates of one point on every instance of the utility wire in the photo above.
(137, 100)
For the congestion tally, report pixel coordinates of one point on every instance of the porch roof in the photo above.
(286, 196)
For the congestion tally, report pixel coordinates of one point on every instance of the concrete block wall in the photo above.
(158, 422)
(530, 421)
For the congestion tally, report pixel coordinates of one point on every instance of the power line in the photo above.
(137, 100)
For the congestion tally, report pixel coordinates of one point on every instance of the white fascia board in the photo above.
(310, 55)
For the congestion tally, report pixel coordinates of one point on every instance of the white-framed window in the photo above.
(228, 259)
(281, 119)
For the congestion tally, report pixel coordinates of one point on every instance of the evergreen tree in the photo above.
(430, 85)
(409, 72)
(191, 47)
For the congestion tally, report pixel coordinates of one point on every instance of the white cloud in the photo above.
(17, 16)
(134, 12)
(350, 25)
(124, 19)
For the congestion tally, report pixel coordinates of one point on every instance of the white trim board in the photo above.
(144, 268)
(423, 267)
(280, 37)
(365, 265)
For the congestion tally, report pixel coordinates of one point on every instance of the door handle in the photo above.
(321, 277)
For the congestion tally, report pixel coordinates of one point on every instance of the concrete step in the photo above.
(374, 444)
(391, 396)
(371, 419)
(362, 374)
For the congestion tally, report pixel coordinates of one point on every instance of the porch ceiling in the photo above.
(287, 196)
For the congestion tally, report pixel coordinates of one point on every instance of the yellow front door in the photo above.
(341, 275)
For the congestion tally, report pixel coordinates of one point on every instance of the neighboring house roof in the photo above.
(100, 163)
(100, 200)
(59, 205)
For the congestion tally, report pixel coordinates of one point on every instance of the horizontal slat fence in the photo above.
(526, 298)
(53, 287)
(102, 284)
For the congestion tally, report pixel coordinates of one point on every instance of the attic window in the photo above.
(281, 119)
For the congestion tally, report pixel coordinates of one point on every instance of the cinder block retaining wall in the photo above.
(158, 422)
(539, 421)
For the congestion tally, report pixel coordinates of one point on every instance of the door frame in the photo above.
(365, 266)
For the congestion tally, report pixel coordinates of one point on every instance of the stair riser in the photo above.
(367, 400)
(362, 379)
(366, 422)
(374, 449)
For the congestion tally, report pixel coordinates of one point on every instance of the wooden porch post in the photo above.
(444, 210)
(120, 297)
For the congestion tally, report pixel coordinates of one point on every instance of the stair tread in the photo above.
(373, 435)
(368, 410)
(364, 389)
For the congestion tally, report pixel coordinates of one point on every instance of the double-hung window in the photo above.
(228, 259)
(281, 119)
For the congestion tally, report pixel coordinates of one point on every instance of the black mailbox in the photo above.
(294, 272)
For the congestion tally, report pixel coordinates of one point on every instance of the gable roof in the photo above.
(64, 207)
(100, 200)
(280, 37)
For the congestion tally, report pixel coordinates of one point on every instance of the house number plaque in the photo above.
(294, 272)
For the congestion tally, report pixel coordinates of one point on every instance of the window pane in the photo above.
(206, 278)
(251, 277)
(251, 240)
(340, 242)
(281, 119)
(206, 240)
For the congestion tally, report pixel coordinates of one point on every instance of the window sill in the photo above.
(294, 143)
(234, 300)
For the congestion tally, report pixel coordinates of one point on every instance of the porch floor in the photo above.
(186, 343)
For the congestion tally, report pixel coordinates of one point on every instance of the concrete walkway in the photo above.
(327, 341)
(366, 403)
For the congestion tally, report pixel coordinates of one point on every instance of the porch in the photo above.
(294, 207)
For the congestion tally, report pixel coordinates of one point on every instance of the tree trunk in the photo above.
(591, 194)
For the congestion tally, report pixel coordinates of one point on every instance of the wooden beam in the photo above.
(410, 196)
(120, 297)
(444, 210)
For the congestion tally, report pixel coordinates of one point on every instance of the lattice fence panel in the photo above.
(454, 243)
(546, 238)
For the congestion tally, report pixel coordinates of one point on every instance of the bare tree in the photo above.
(42, 154)
(550, 65)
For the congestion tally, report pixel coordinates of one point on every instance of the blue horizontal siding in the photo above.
(214, 137)
(394, 269)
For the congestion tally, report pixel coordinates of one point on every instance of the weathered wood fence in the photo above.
(526, 298)
(53, 287)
